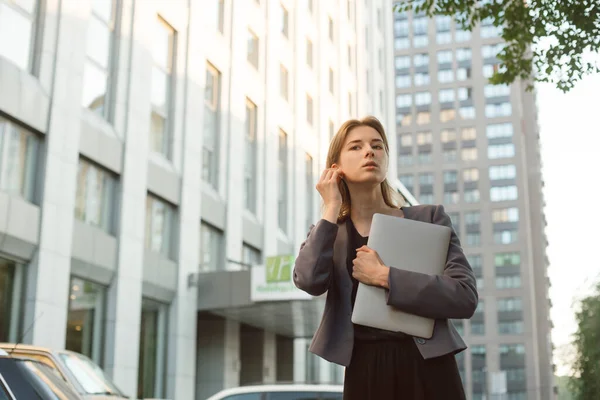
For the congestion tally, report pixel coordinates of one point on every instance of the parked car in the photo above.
(294, 391)
(24, 378)
(85, 376)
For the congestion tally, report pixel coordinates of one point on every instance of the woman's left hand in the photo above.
(369, 269)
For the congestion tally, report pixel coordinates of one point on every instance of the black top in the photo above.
(362, 332)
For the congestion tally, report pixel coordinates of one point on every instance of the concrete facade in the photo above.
(50, 244)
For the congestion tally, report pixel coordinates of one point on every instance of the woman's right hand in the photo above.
(328, 188)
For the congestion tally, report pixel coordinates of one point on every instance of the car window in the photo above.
(332, 396)
(35, 356)
(246, 396)
(294, 396)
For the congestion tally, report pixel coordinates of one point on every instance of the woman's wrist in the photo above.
(331, 212)
(383, 276)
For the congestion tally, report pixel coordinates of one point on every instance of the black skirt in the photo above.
(395, 370)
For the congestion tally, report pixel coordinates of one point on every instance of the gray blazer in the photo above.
(321, 266)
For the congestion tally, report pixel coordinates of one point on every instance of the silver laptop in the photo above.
(409, 245)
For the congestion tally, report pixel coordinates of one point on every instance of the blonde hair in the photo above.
(335, 149)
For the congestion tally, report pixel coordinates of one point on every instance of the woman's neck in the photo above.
(366, 202)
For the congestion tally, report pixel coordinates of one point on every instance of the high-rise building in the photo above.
(150, 152)
(474, 147)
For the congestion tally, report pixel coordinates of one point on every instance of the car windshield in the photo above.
(90, 376)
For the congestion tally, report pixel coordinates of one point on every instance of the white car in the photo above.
(296, 391)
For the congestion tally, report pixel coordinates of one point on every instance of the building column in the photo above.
(132, 118)
(61, 71)
(300, 355)
(270, 358)
(181, 366)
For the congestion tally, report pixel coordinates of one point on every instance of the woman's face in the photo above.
(363, 158)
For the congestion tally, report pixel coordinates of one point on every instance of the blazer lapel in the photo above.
(340, 254)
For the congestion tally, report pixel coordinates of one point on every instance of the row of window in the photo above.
(96, 192)
(443, 34)
(425, 156)
(496, 172)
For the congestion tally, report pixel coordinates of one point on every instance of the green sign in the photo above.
(279, 269)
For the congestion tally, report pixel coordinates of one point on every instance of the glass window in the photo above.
(284, 21)
(422, 98)
(402, 81)
(491, 50)
(401, 28)
(403, 100)
(467, 112)
(469, 154)
(461, 35)
(420, 41)
(501, 151)
(283, 180)
(471, 175)
(445, 75)
(444, 57)
(220, 16)
(96, 72)
(499, 172)
(503, 193)
(250, 159)
(425, 157)
(472, 196)
(402, 62)
(424, 138)
(310, 188)
(506, 236)
(250, 255)
(94, 199)
(421, 78)
(465, 93)
(19, 150)
(407, 180)
(85, 319)
(405, 140)
(498, 110)
(447, 115)
(446, 95)
(210, 145)
(153, 340)
(283, 82)
(508, 281)
(162, 82)
(331, 30)
(491, 69)
(401, 43)
(160, 221)
(469, 133)
(448, 135)
(332, 81)
(11, 285)
(510, 214)
(331, 130)
(421, 59)
(463, 73)
(17, 31)
(420, 25)
(423, 117)
(443, 23)
(510, 304)
(309, 53)
(211, 248)
(450, 155)
(499, 130)
(426, 198)
(490, 91)
(472, 217)
(252, 50)
(510, 327)
(463, 54)
(450, 176)
(309, 109)
(443, 37)
(473, 238)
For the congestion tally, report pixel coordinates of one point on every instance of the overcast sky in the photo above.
(570, 139)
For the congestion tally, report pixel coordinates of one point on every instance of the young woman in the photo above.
(380, 364)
